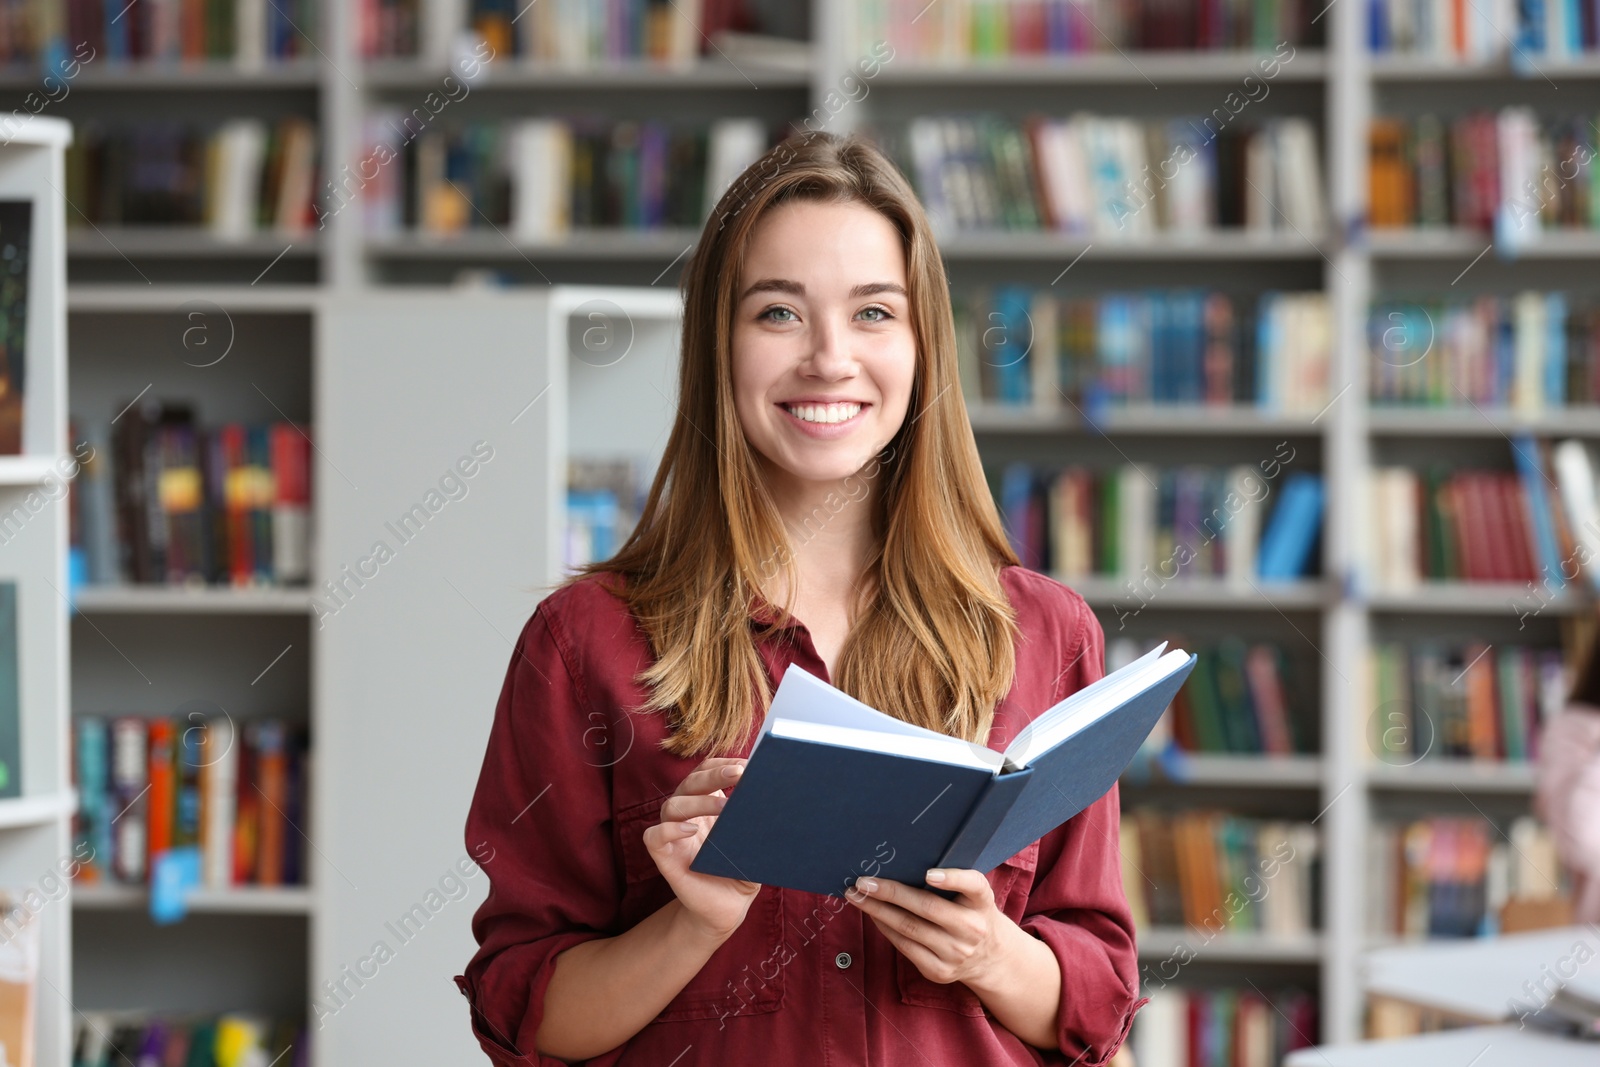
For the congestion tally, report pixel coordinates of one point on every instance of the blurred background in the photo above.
(334, 333)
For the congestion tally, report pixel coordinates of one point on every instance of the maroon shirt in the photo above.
(571, 780)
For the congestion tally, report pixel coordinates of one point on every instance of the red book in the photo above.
(163, 789)
(247, 813)
(236, 502)
(272, 789)
(1524, 559)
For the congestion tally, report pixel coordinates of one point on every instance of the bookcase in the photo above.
(399, 374)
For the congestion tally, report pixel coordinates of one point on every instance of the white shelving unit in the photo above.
(36, 827)
(399, 697)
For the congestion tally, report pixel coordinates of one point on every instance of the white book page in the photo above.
(1071, 715)
(937, 748)
(804, 697)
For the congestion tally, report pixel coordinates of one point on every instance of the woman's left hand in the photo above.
(960, 940)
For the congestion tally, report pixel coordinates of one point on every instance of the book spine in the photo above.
(993, 804)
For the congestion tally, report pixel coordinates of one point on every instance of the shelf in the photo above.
(1154, 419)
(614, 244)
(239, 900)
(1246, 772)
(629, 76)
(27, 470)
(1449, 243)
(1235, 946)
(1478, 598)
(1224, 245)
(1201, 593)
(1447, 775)
(165, 299)
(36, 810)
(163, 600)
(118, 242)
(1121, 68)
(1421, 421)
(212, 74)
(1404, 68)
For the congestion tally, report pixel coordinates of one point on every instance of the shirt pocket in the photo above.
(1011, 882)
(747, 974)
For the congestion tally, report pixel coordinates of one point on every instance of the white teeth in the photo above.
(823, 412)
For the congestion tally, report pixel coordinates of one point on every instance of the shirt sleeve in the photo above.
(1078, 908)
(540, 824)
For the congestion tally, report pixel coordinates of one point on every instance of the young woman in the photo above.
(820, 502)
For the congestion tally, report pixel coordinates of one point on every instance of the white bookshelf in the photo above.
(36, 827)
(311, 305)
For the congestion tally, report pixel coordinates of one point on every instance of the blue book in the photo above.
(1530, 470)
(1555, 349)
(1291, 533)
(835, 790)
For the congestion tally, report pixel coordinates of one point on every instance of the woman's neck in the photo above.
(829, 526)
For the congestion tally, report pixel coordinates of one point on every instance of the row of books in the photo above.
(1439, 700)
(604, 500)
(1505, 170)
(1150, 526)
(958, 30)
(234, 180)
(236, 792)
(167, 500)
(1449, 875)
(1216, 872)
(1239, 699)
(1115, 177)
(1221, 1027)
(1529, 352)
(1031, 346)
(103, 1039)
(248, 32)
(541, 178)
(579, 32)
(1483, 31)
(1476, 525)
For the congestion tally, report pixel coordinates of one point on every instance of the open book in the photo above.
(835, 789)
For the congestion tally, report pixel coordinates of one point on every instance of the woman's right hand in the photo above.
(716, 905)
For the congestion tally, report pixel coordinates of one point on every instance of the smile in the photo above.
(823, 413)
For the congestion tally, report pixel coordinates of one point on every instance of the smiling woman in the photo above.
(818, 368)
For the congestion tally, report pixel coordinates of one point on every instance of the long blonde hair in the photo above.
(932, 640)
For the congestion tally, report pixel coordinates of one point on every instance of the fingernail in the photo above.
(935, 876)
(732, 772)
(867, 885)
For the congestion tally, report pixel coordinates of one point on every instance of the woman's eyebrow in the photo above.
(793, 288)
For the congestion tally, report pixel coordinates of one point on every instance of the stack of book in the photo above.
(236, 792)
(234, 180)
(1483, 31)
(580, 32)
(1031, 346)
(173, 502)
(1240, 698)
(386, 29)
(1115, 178)
(1449, 875)
(1438, 700)
(1221, 1027)
(543, 178)
(1483, 169)
(961, 30)
(1156, 525)
(248, 32)
(1218, 872)
(1530, 352)
(1482, 525)
(103, 1039)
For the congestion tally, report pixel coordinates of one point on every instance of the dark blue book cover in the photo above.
(835, 790)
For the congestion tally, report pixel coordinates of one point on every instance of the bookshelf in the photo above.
(308, 290)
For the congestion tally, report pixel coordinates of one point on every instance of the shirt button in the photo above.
(842, 960)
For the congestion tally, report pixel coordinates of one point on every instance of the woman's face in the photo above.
(823, 351)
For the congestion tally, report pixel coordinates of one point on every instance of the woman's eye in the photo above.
(775, 314)
(876, 314)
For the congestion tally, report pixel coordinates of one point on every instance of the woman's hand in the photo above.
(716, 905)
(957, 940)
(970, 940)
